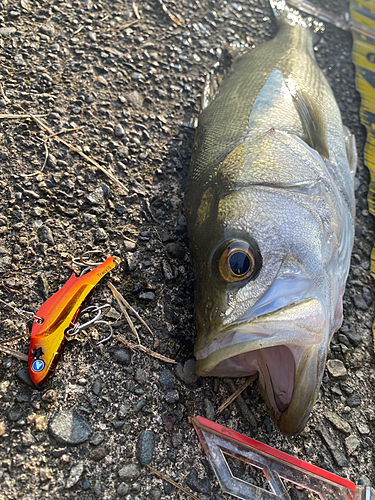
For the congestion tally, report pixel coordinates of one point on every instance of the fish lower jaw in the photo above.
(276, 366)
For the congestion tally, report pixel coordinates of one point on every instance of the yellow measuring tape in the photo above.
(362, 20)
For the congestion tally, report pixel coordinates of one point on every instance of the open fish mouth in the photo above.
(283, 347)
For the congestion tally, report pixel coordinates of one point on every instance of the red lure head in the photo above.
(56, 315)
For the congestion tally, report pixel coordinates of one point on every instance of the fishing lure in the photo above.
(55, 320)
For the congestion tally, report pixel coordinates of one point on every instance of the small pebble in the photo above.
(185, 372)
(336, 368)
(172, 397)
(352, 444)
(337, 455)
(97, 439)
(75, 474)
(129, 472)
(97, 454)
(166, 380)
(354, 401)
(69, 427)
(45, 235)
(147, 296)
(119, 131)
(199, 485)
(123, 490)
(339, 423)
(123, 356)
(97, 386)
(145, 447)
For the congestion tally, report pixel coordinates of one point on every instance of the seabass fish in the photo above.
(270, 207)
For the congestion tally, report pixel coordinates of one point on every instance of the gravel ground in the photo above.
(131, 93)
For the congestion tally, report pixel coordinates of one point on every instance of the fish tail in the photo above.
(285, 14)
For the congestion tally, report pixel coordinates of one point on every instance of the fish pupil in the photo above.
(239, 263)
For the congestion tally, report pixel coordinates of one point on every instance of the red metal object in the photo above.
(56, 315)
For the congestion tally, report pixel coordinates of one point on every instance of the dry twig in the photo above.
(74, 148)
(169, 14)
(142, 348)
(4, 116)
(14, 353)
(235, 395)
(13, 339)
(136, 11)
(118, 296)
(166, 478)
(63, 131)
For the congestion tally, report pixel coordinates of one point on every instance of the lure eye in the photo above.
(239, 260)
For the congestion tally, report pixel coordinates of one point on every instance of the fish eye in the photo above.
(239, 260)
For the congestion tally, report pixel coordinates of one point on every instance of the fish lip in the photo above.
(290, 404)
(265, 336)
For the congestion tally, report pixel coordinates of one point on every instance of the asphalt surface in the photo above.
(125, 91)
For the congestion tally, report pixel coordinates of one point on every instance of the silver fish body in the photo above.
(270, 208)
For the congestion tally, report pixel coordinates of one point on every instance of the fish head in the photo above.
(268, 292)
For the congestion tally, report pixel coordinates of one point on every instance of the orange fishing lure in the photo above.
(56, 316)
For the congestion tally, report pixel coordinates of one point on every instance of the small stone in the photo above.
(27, 438)
(49, 396)
(175, 250)
(337, 422)
(185, 372)
(154, 494)
(209, 409)
(336, 368)
(85, 484)
(7, 31)
(119, 131)
(135, 98)
(139, 406)
(97, 386)
(141, 376)
(199, 485)
(14, 415)
(172, 397)
(97, 439)
(354, 401)
(365, 481)
(75, 474)
(147, 296)
(45, 235)
(363, 428)
(121, 209)
(69, 427)
(43, 286)
(97, 454)
(97, 488)
(352, 444)
(123, 490)
(168, 271)
(123, 356)
(337, 455)
(145, 447)
(99, 235)
(48, 29)
(2, 428)
(132, 259)
(129, 472)
(359, 302)
(97, 196)
(44, 475)
(117, 424)
(166, 380)
(41, 423)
